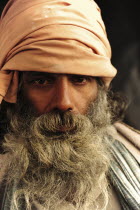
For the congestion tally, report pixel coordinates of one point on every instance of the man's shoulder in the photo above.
(127, 135)
(124, 168)
(128, 132)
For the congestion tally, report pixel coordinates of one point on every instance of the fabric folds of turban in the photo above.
(57, 36)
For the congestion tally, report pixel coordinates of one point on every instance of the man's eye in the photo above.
(80, 79)
(42, 82)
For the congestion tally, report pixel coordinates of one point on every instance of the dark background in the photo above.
(121, 18)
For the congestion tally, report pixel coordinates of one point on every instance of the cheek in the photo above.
(38, 99)
(85, 97)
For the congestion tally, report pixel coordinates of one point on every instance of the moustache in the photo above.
(56, 123)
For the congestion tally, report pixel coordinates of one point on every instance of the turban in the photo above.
(55, 36)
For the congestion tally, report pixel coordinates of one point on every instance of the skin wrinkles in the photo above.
(63, 92)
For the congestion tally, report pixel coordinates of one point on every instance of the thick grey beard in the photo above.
(60, 170)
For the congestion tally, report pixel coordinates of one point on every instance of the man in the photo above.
(58, 142)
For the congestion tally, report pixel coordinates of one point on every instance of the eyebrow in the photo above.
(33, 74)
(36, 73)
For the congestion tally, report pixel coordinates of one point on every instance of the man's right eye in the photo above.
(42, 82)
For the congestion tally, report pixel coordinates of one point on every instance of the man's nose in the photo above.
(63, 96)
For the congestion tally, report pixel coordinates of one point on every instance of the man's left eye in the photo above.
(41, 82)
(80, 79)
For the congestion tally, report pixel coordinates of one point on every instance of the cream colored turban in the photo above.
(57, 36)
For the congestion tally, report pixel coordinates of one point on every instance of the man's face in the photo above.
(59, 92)
(56, 150)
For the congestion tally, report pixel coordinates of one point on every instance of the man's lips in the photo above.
(64, 129)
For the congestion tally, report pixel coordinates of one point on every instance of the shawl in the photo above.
(124, 174)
